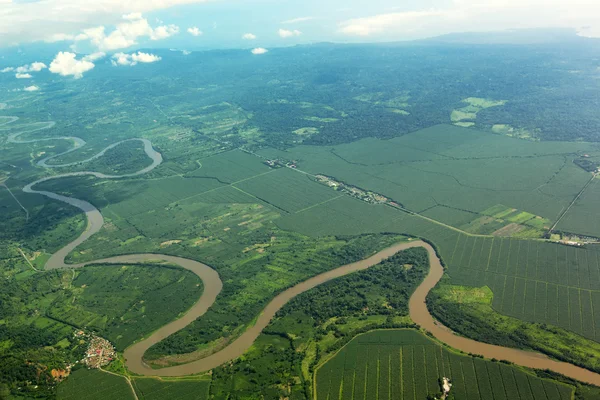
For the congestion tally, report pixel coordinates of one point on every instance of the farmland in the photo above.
(184, 389)
(94, 385)
(124, 303)
(454, 168)
(404, 364)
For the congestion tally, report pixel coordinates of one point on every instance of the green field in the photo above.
(124, 303)
(404, 364)
(184, 389)
(94, 385)
(455, 168)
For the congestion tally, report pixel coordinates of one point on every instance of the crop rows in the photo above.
(534, 281)
(155, 389)
(288, 190)
(375, 366)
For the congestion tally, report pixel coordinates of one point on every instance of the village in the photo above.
(100, 352)
(364, 195)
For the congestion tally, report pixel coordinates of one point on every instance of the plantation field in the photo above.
(123, 303)
(229, 167)
(158, 389)
(583, 216)
(404, 364)
(454, 168)
(87, 384)
(532, 280)
(288, 190)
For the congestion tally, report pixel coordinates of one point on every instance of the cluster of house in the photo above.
(100, 352)
(364, 195)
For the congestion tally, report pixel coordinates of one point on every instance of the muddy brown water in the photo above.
(213, 285)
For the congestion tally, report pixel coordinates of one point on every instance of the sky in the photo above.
(116, 28)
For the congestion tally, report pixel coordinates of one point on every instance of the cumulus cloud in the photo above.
(194, 31)
(259, 50)
(186, 52)
(284, 33)
(164, 31)
(297, 20)
(126, 33)
(32, 88)
(132, 16)
(248, 36)
(23, 71)
(25, 21)
(66, 64)
(94, 56)
(124, 59)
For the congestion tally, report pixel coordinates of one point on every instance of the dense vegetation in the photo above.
(469, 311)
(125, 303)
(230, 309)
(38, 313)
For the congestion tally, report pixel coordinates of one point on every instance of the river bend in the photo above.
(213, 285)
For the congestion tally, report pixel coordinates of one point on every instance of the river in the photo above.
(213, 285)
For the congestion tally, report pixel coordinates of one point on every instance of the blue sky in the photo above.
(114, 29)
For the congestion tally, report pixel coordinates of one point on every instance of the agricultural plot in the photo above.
(184, 389)
(531, 280)
(534, 281)
(404, 364)
(94, 385)
(230, 167)
(124, 303)
(466, 116)
(454, 168)
(288, 190)
(583, 217)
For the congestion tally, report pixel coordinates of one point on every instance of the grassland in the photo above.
(94, 385)
(405, 364)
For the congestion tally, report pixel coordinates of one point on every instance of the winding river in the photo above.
(213, 285)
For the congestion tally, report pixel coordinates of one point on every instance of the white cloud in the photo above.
(126, 33)
(259, 50)
(380, 23)
(7, 69)
(164, 31)
(20, 75)
(23, 71)
(32, 88)
(248, 36)
(124, 59)
(284, 33)
(66, 64)
(478, 16)
(297, 20)
(186, 52)
(94, 56)
(194, 31)
(132, 16)
(25, 21)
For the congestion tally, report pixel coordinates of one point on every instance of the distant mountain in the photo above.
(513, 36)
